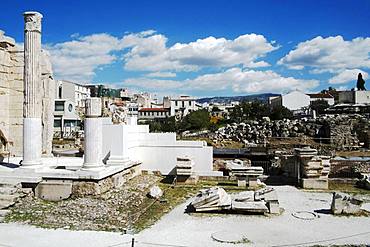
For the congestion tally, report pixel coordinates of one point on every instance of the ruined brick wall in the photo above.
(348, 168)
(11, 97)
(11, 93)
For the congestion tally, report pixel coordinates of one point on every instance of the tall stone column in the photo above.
(32, 127)
(93, 134)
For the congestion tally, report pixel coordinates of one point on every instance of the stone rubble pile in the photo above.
(340, 128)
(345, 204)
(10, 193)
(216, 199)
(244, 172)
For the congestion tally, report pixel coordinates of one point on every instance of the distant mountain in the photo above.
(227, 99)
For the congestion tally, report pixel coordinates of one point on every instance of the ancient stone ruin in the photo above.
(313, 169)
(341, 131)
(345, 204)
(14, 79)
(245, 174)
(216, 199)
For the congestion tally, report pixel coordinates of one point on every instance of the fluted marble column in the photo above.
(32, 126)
(93, 134)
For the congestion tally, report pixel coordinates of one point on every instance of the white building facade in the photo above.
(294, 100)
(72, 91)
(354, 97)
(180, 106)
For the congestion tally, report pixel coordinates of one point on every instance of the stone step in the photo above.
(4, 212)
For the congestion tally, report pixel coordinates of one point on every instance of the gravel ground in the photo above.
(179, 229)
(112, 211)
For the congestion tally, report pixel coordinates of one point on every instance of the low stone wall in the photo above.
(348, 168)
(89, 187)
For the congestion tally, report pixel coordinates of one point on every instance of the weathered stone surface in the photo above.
(212, 199)
(115, 210)
(11, 96)
(250, 207)
(155, 192)
(84, 188)
(340, 131)
(315, 183)
(216, 199)
(345, 204)
(184, 166)
(54, 190)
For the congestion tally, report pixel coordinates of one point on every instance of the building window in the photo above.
(59, 106)
(57, 123)
(183, 104)
(176, 102)
(60, 92)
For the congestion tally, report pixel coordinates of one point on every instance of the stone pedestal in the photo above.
(93, 135)
(32, 127)
(118, 155)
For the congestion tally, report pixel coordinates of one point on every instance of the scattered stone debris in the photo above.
(245, 173)
(342, 129)
(364, 182)
(115, 210)
(10, 193)
(212, 199)
(155, 192)
(345, 204)
(217, 199)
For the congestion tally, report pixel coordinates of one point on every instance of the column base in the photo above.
(89, 167)
(32, 132)
(117, 161)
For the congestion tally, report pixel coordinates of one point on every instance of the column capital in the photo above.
(32, 21)
(93, 107)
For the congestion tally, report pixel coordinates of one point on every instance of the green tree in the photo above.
(196, 120)
(319, 106)
(281, 112)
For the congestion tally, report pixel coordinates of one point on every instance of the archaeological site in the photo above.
(162, 158)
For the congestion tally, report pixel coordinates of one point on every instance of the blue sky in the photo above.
(203, 48)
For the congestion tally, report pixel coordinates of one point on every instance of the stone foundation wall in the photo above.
(83, 188)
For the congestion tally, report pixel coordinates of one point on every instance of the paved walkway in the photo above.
(179, 229)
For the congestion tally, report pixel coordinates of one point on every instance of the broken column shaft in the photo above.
(93, 134)
(32, 126)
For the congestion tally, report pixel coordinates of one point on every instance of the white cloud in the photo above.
(149, 83)
(162, 74)
(251, 81)
(347, 76)
(236, 79)
(331, 54)
(78, 59)
(150, 53)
